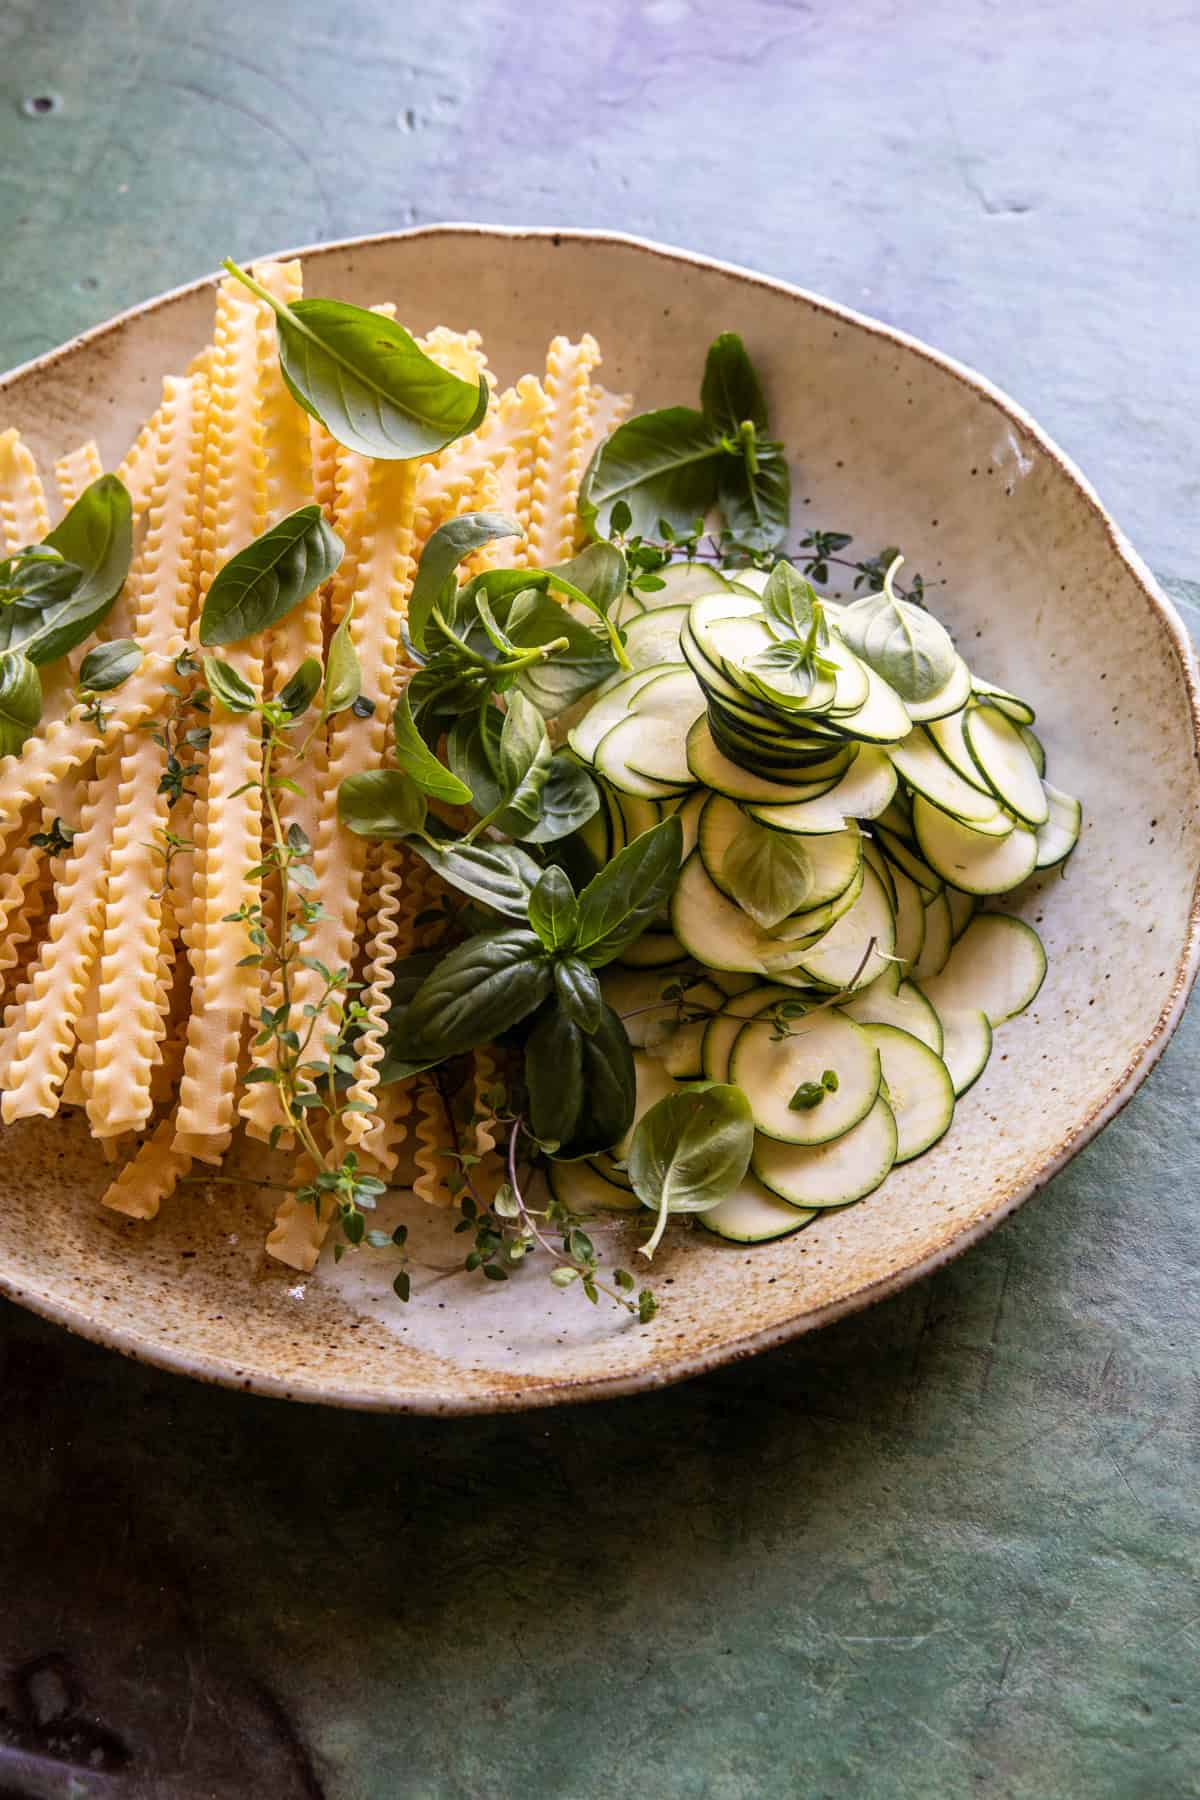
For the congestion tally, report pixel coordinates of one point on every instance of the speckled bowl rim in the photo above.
(679, 1368)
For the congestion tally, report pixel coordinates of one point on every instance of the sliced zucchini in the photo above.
(1033, 744)
(608, 711)
(929, 773)
(881, 866)
(753, 1215)
(830, 862)
(653, 950)
(962, 910)
(947, 737)
(978, 865)
(753, 580)
(645, 755)
(581, 1188)
(638, 815)
(654, 1082)
(966, 1046)
(653, 637)
(918, 1086)
(858, 946)
(684, 582)
(907, 1007)
(716, 770)
(910, 917)
(949, 698)
(1005, 764)
(862, 793)
(1019, 711)
(720, 1035)
(834, 1174)
(632, 992)
(904, 855)
(688, 812)
(596, 836)
(1059, 835)
(770, 1073)
(997, 967)
(882, 718)
(939, 939)
(718, 933)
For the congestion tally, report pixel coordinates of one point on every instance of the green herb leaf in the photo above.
(617, 906)
(485, 986)
(109, 665)
(662, 465)
(265, 580)
(381, 803)
(596, 576)
(442, 555)
(300, 690)
(553, 909)
(524, 764)
(579, 992)
(502, 876)
(731, 390)
(569, 799)
(559, 680)
(20, 701)
(900, 641)
(769, 873)
(808, 1095)
(96, 537)
(343, 671)
(690, 1151)
(228, 686)
(754, 493)
(581, 1087)
(788, 602)
(420, 764)
(367, 381)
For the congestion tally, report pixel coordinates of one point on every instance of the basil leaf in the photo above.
(407, 977)
(261, 584)
(484, 987)
(300, 690)
(597, 576)
(96, 536)
(443, 553)
(553, 910)
(579, 993)
(617, 906)
(381, 803)
(228, 686)
(663, 465)
(754, 493)
(109, 665)
(524, 764)
(900, 641)
(788, 602)
(690, 1151)
(36, 577)
(502, 876)
(569, 799)
(367, 381)
(467, 754)
(769, 873)
(581, 1087)
(420, 764)
(343, 671)
(566, 676)
(731, 390)
(20, 701)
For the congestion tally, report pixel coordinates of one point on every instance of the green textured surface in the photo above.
(946, 1548)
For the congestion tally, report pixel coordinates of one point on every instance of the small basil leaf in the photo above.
(788, 602)
(900, 641)
(731, 390)
(617, 906)
(96, 537)
(228, 686)
(418, 761)
(579, 993)
(690, 1151)
(581, 1086)
(343, 671)
(20, 701)
(467, 746)
(443, 553)
(597, 576)
(501, 876)
(381, 803)
(769, 873)
(300, 690)
(553, 909)
(663, 465)
(481, 988)
(569, 799)
(109, 665)
(367, 381)
(524, 764)
(261, 584)
(754, 493)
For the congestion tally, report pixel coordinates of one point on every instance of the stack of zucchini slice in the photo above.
(823, 949)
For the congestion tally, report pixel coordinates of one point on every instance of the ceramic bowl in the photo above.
(894, 443)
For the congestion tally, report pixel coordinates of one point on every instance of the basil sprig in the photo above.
(671, 467)
(54, 595)
(367, 381)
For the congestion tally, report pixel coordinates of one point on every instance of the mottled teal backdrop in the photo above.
(947, 1548)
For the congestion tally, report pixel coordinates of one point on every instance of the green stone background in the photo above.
(946, 1548)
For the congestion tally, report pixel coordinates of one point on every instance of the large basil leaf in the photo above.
(443, 553)
(579, 992)
(367, 381)
(467, 750)
(501, 876)
(20, 701)
(568, 674)
(662, 464)
(754, 493)
(769, 873)
(553, 909)
(690, 1151)
(900, 641)
(420, 764)
(478, 990)
(731, 391)
(407, 977)
(617, 906)
(525, 757)
(109, 665)
(263, 582)
(96, 537)
(581, 1087)
(569, 799)
(381, 803)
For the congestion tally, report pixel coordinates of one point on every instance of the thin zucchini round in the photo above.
(753, 1215)
(1003, 760)
(918, 1088)
(997, 966)
(835, 1174)
(978, 865)
(770, 1074)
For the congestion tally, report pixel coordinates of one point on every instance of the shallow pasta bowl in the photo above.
(894, 443)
